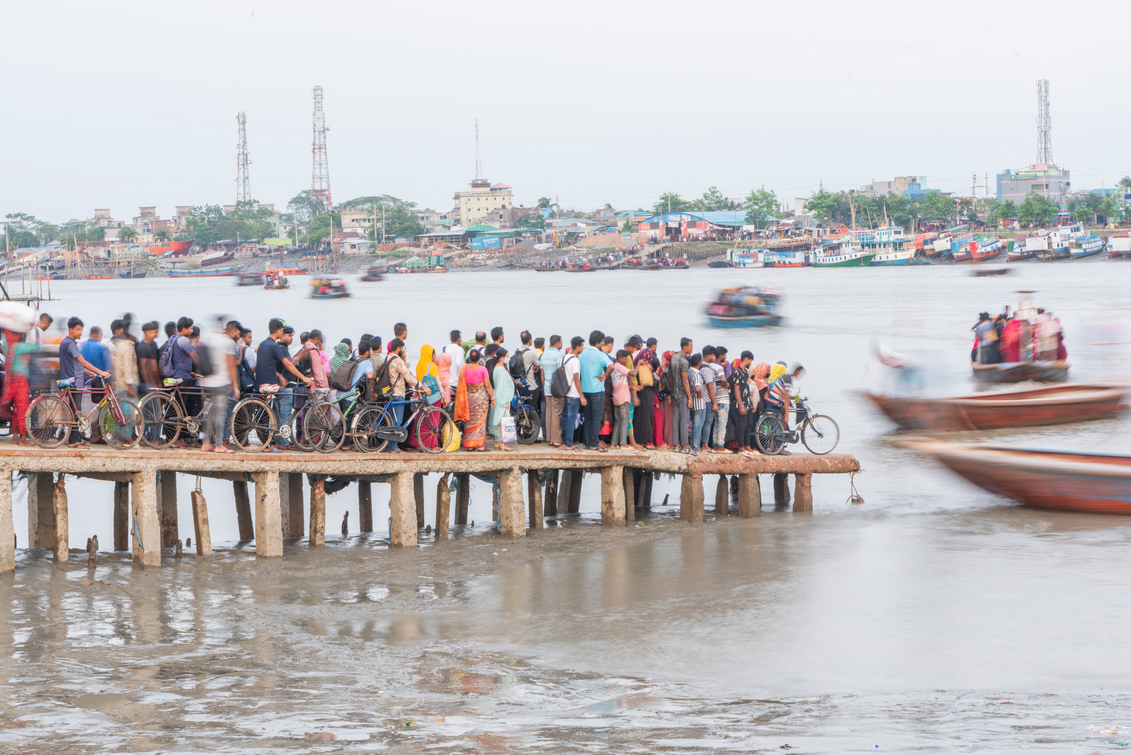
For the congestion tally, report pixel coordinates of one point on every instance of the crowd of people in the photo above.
(1011, 337)
(589, 393)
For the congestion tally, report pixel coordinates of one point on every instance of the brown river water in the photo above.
(933, 617)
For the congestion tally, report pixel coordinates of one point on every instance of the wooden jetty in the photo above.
(145, 507)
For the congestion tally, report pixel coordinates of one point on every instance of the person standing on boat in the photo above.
(1010, 344)
(987, 340)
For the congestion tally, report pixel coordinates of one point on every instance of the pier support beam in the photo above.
(534, 496)
(40, 513)
(551, 500)
(268, 527)
(291, 504)
(418, 494)
(612, 496)
(7, 525)
(243, 511)
(62, 522)
(121, 516)
(577, 476)
(722, 497)
(402, 508)
(803, 492)
(749, 496)
(644, 493)
(317, 510)
(167, 501)
(463, 497)
(443, 507)
(365, 506)
(691, 498)
(200, 524)
(146, 519)
(781, 488)
(629, 476)
(512, 524)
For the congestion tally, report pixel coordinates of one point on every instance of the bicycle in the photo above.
(253, 425)
(818, 432)
(164, 417)
(51, 418)
(374, 426)
(316, 399)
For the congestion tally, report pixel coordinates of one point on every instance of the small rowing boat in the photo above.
(1051, 405)
(1016, 372)
(1055, 480)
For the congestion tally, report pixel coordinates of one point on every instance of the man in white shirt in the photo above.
(37, 333)
(455, 351)
(223, 383)
(575, 399)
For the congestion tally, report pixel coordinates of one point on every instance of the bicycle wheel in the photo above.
(364, 428)
(820, 434)
(324, 427)
(527, 425)
(298, 434)
(49, 421)
(121, 429)
(161, 419)
(768, 434)
(253, 425)
(435, 430)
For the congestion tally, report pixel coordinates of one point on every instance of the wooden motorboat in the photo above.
(1055, 480)
(990, 271)
(329, 289)
(276, 286)
(251, 278)
(210, 272)
(132, 273)
(1017, 372)
(1025, 408)
(373, 274)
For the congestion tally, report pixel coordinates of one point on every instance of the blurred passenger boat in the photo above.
(1056, 480)
(1016, 372)
(1053, 405)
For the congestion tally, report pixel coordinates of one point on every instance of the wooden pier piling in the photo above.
(40, 511)
(62, 529)
(463, 497)
(292, 508)
(243, 511)
(722, 497)
(7, 527)
(781, 488)
(317, 510)
(121, 516)
(803, 492)
(418, 495)
(534, 499)
(167, 504)
(365, 506)
(577, 476)
(551, 499)
(629, 475)
(200, 524)
(145, 524)
(443, 507)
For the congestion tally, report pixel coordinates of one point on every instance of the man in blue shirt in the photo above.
(73, 365)
(552, 407)
(595, 367)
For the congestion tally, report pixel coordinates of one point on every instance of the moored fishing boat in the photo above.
(842, 254)
(1119, 245)
(131, 273)
(1086, 245)
(785, 258)
(1059, 247)
(1055, 480)
(208, 272)
(980, 250)
(1018, 408)
(217, 258)
(1016, 372)
(886, 246)
(747, 257)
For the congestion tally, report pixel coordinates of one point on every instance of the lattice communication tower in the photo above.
(243, 174)
(320, 181)
(1044, 123)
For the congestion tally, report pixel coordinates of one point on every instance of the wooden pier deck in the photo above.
(145, 511)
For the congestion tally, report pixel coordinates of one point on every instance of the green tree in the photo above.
(1007, 210)
(302, 207)
(1037, 208)
(544, 203)
(671, 202)
(1081, 214)
(627, 227)
(161, 235)
(761, 208)
(712, 201)
(823, 205)
(1125, 183)
(938, 207)
(530, 220)
(1110, 209)
(127, 234)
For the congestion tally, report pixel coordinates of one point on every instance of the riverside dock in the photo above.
(144, 501)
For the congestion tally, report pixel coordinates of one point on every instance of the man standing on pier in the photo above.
(270, 362)
(681, 395)
(551, 360)
(595, 367)
(73, 365)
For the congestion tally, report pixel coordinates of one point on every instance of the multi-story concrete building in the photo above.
(483, 201)
(1044, 178)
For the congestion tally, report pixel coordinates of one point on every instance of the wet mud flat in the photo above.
(357, 647)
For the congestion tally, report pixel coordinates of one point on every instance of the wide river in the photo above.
(932, 617)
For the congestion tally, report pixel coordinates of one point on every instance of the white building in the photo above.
(482, 201)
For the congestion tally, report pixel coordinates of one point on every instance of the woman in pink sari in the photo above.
(474, 399)
(662, 419)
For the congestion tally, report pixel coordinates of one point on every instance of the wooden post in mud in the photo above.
(167, 502)
(318, 511)
(418, 494)
(644, 495)
(243, 511)
(551, 498)
(691, 498)
(365, 506)
(534, 494)
(722, 497)
(40, 510)
(463, 496)
(146, 519)
(564, 493)
(577, 477)
(443, 507)
(612, 496)
(200, 524)
(7, 525)
(291, 504)
(512, 523)
(62, 522)
(629, 476)
(749, 496)
(781, 488)
(402, 509)
(121, 516)
(803, 492)
(268, 527)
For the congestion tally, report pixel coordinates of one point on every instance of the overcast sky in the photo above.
(121, 104)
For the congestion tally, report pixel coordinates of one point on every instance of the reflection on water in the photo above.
(932, 615)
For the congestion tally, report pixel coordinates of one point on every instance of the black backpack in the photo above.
(165, 361)
(517, 366)
(383, 381)
(204, 365)
(342, 378)
(559, 384)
